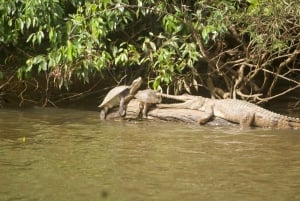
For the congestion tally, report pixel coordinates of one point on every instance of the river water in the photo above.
(62, 154)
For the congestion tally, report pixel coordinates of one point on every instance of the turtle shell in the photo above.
(148, 96)
(112, 97)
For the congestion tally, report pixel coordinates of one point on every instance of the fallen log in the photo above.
(165, 114)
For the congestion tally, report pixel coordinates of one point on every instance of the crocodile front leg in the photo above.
(208, 114)
(247, 119)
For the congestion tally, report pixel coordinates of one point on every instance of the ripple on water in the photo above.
(70, 155)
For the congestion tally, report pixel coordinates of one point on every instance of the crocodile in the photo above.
(237, 111)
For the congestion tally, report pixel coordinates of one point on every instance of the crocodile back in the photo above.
(234, 110)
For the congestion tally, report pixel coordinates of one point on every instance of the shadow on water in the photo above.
(55, 154)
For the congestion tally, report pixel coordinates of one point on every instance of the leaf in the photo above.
(21, 24)
(140, 3)
(10, 22)
(28, 22)
(20, 73)
(39, 36)
(69, 50)
(51, 34)
(153, 46)
(170, 24)
(253, 2)
(206, 31)
(29, 63)
(51, 62)
(42, 66)
(144, 46)
(160, 36)
(156, 83)
(30, 37)
(34, 21)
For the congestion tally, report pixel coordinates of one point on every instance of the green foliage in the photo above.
(81, 43)
(271, 23)
(76, 40)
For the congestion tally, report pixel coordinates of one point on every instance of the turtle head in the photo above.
(136, 84)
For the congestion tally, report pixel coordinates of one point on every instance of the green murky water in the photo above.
(55, 154)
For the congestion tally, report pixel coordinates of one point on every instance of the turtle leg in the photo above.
(140, 112)
(145, 110)
(103, 113)
(122, 107)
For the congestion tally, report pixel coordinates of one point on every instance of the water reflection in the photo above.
(70, 155)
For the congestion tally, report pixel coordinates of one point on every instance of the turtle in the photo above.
(119, 95)
(146, 98)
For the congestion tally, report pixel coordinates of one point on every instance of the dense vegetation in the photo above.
(245, 49)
